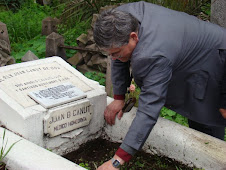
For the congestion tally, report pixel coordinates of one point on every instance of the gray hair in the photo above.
(113, 28)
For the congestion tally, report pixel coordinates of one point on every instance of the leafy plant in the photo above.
(173, 116)
(206, 8)
(4, 152)
(84, 165)
(100, 77)
(37, 45)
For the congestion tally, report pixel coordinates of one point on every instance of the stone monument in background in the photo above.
(218, 12)
(5, 58)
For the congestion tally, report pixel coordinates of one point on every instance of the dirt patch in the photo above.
(3, 167)
(94, 153)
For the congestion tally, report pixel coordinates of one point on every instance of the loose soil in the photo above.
(92, 154)
(2, 167)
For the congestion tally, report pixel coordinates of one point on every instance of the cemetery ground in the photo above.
(96, 152)
(92, 154)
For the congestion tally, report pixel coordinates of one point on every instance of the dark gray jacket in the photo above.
(178, 62)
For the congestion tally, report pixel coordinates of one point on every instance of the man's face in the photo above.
(124, 52)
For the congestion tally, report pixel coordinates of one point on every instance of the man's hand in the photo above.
(112, 109)
(223, 112)
(108, 165)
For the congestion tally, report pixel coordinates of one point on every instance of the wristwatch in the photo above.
(115, 163)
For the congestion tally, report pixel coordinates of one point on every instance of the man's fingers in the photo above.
(120, 113)
(223, 112)
(112, 117)
(109, 117)
(106, 117)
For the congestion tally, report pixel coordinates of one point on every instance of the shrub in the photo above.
(100, 77)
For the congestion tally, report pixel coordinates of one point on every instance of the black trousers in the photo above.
(214, 131)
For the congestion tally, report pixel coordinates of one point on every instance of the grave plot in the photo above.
(93, 153)
(51, 104)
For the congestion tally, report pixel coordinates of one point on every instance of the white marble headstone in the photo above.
(50, 103)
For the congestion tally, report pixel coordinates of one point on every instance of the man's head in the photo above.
(116, 32)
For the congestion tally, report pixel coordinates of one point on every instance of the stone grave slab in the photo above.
(50, 103)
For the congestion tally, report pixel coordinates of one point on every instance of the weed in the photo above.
(173, 116)
(3, 147)
(36, 45)
(160, 163)
(100, 77)
(84, 165)
(139, 164)
(178, 168)
(206, 8)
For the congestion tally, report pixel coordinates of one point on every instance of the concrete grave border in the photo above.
(26, 155)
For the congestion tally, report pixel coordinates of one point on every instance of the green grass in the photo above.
(26, 23)
(37, 45)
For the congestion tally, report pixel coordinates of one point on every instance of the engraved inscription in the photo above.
(67, 119)
(17, 83)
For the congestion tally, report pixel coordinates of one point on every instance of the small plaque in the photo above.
(62, 120)
(57, 95)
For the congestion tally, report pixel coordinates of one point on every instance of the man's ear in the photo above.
(134, 36)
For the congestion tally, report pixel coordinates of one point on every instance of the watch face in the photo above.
(115, 163)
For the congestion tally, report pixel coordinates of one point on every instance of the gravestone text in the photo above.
(63, 120)
(17, 83)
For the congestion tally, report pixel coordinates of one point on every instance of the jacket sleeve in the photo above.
(154, 74)
(120, 76)
(223, 85)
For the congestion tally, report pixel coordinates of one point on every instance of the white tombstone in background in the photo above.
(51, 104)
